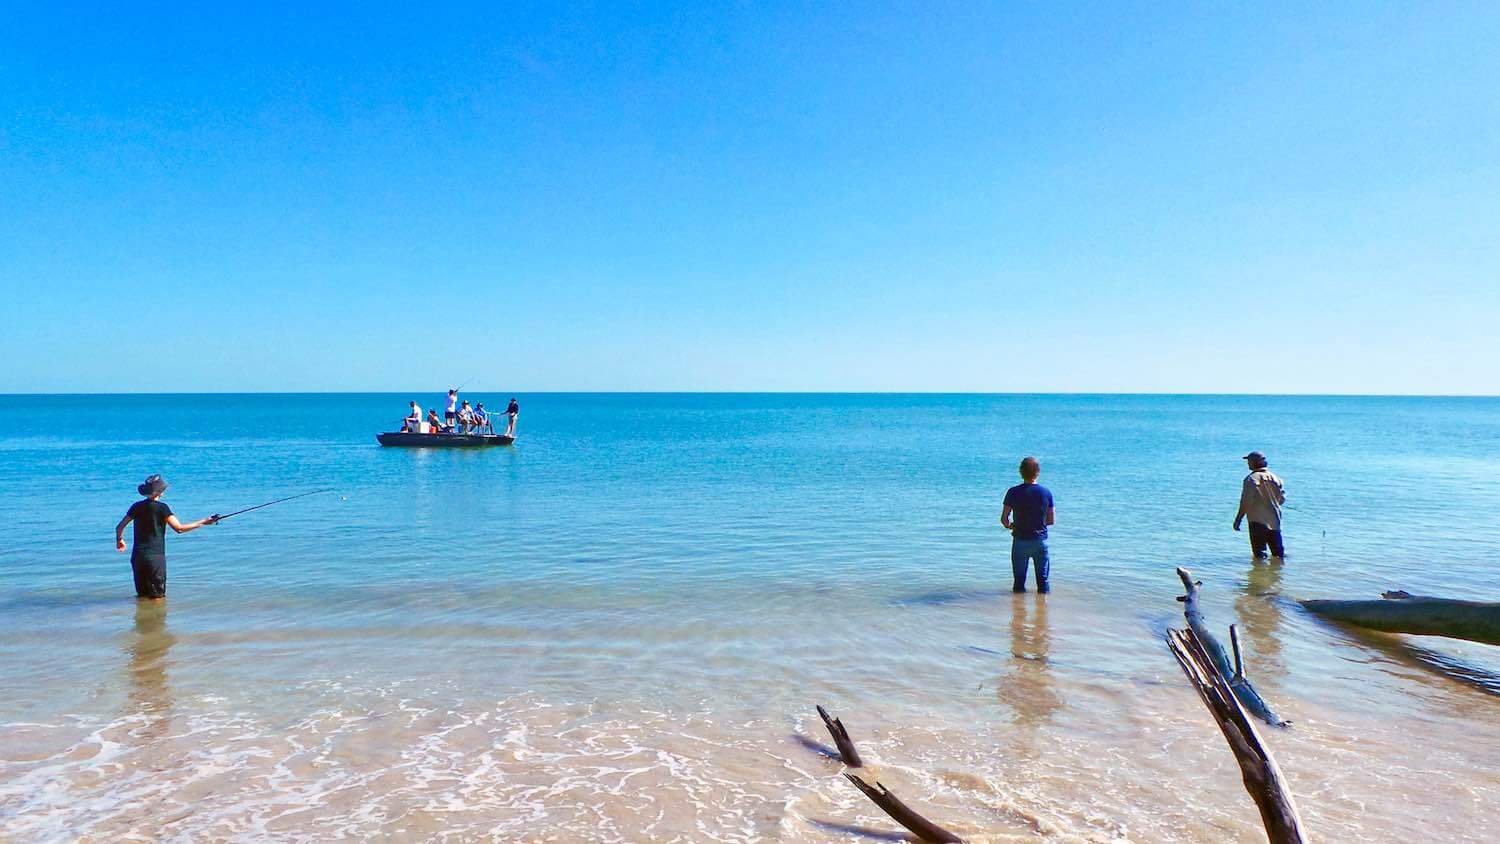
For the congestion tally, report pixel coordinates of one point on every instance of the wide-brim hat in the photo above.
(153, 485)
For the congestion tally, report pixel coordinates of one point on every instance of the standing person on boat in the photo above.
(450, 416)
(481, 418)
(512, 410)
(413, 420)
(148, 555)
(1261, 497)
(1027, 513)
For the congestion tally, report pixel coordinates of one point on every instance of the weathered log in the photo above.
(1259, 771)
(1195, 621)
(841, 739)
(1420, 615)
(921, 827)
(1234, 675)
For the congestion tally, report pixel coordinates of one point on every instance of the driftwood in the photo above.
(1421, 615)
(1258, 769)
(841, 739)
(1234, 674)
(921, 827)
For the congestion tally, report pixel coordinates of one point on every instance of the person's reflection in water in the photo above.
(149, 696)
(1027, 688)
(1259, 609)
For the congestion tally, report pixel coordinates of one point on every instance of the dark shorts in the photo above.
(150, 575)
(448, 414)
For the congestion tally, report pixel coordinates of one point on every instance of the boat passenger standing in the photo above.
(1027, 513)
(450, 416)
(1261, 497)
(512, 410)
(148, 554)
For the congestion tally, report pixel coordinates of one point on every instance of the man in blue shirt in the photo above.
(1028, 511)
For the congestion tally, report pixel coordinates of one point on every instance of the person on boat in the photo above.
(148, 554)
(434, 425)
(1027, 513)
(1261, 497)
(481, 418)
(512, 410)
(450, 415)
(466, 417)
(413, 422)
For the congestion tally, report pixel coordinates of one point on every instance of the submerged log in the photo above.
(1420, 615)
(841, 739)
(1258, 770)
(921, 827)
(1234, 675)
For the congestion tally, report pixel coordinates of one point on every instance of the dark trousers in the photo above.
(1033, 551)
(150, 575)
(1261, 537)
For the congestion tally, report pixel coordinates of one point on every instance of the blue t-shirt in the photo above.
(1029, 504)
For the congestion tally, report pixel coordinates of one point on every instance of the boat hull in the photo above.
(399, 440)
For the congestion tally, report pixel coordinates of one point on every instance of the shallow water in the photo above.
(617, 629)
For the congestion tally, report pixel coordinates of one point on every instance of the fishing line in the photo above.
(1312, 516)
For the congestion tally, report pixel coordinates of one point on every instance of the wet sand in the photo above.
(1042, 735)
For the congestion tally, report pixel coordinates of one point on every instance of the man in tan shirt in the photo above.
(1261, 497)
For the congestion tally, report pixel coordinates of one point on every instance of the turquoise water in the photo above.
(654, 559)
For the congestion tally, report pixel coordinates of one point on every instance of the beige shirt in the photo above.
(1261, 497)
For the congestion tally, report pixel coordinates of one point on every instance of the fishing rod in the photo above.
(269, 503)
(466, 383)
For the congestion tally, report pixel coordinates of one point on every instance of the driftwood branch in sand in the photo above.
(1234, 675)
(1258, 769)
(921, 827)
(841, 739)
(1420, 615)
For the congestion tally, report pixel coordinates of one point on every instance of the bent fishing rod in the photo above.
(269, 503)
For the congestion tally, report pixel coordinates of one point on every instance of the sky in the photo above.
(997, 197)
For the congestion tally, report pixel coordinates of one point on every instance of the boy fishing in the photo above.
(148, 556)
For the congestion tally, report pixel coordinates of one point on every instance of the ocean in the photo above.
(617, 629)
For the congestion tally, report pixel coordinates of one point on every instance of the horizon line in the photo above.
(1165, 394)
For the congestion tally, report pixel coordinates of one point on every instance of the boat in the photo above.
(407, 440)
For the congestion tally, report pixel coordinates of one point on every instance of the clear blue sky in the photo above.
(1233, 197)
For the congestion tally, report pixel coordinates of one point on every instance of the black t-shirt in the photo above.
(150, 519)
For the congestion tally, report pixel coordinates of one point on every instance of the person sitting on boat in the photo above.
(434, 424)
(413, 422)
(481, 419)
(465, 417)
